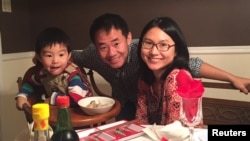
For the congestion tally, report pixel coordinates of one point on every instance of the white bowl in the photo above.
(102, 104)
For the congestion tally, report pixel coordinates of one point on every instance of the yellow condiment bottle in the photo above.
(40, 115)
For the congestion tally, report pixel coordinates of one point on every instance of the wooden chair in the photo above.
(94, 86)
(26, 76)
(33, 100)
(221, 111)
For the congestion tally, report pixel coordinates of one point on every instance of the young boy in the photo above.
(54, 71)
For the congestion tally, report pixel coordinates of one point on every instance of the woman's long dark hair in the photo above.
(181, 60)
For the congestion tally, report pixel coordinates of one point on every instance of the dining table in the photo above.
(140, 134)
(80, 119)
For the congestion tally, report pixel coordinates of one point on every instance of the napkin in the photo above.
(151, 131)
(171, 132)
(187, 86)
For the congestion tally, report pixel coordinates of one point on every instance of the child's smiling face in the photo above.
(54, 58)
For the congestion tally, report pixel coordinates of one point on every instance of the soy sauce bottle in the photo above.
(64, 130)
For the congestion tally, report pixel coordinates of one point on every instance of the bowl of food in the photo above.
(95, 105)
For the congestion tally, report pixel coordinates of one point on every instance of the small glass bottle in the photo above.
(64, 130)
(40, 115)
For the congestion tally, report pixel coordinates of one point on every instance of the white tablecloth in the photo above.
(199, 135)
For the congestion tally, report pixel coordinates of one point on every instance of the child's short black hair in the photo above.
(50, 36)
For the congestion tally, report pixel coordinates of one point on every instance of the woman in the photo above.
(164, 55)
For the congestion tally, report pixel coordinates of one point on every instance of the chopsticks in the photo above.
(114, 127)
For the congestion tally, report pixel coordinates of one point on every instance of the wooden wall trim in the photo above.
(219, 50)
(15, 56)
(219, 111)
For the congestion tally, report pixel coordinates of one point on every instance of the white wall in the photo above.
(12, 120)
(232, 59)
(1, 86)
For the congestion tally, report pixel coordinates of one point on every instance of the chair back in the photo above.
(94, 85)
(26, 108)
(223, 111)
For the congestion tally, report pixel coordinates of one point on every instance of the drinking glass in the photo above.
(191, 113)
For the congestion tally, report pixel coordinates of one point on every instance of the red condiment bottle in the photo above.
(64, 130)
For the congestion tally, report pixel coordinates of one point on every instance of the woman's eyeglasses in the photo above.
(160, 46)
